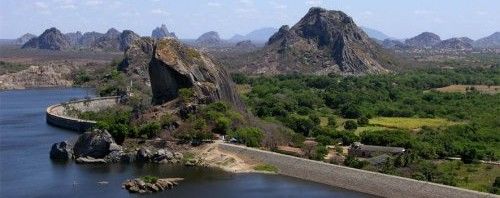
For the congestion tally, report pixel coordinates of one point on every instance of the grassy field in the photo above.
(410, 123)
(266, 168)
(464, 88)
(478, 177)
(369, 128)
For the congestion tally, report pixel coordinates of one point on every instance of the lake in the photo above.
(27, 171)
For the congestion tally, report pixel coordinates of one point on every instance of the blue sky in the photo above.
(190, 18)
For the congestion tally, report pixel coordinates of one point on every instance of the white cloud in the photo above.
(312, 3)
(422, 12)
(159, 12)
(214, 4)
(93, 2)
(41, 5)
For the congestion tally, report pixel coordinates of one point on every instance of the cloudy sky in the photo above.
(190, 18)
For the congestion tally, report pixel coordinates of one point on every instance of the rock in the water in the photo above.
(95, 144)
(89, 160)
(61, 151)
(140, 186)
(144, 155)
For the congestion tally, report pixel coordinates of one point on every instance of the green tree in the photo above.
(249, 136)
(350, 125)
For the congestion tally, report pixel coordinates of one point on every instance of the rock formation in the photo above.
(74, 38)
(462, 43)
(61, 151)
(127, 37)
(162, 32)
(94, 144)
(174, 66)
(209, 38)
(394, 44)
(423, 40)
(321, 42)
(115, 40)
(245, 44)
(136, 60)
(51, 39)
(89, 38)
(23, 39)
(141, 186)
(492, 41)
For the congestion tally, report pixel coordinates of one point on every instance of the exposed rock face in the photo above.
(96, 144)
(321, 42)
(462, 43)
(89, 38)
(61, 151)
(492, 41)
(24, 38)
(245, 44)
(136, 60)
(52, 75)
(424, 40)
(209, 38)
(51, 39)
(162, 32)
(74, 38)
(127, 37)
(109, 41)
(175, 66)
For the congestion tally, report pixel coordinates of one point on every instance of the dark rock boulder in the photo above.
(61, 151)
(95, 144)
(162, 32)
(144, 155)
(51, 39)
(175, 66)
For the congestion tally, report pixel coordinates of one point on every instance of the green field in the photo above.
(410, 123)
(478, 177)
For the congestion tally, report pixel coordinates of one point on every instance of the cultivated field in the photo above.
(489, 89)
(410, 123)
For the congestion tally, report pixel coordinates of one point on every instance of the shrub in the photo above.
(350, 125)
(222, 124)
(150, 130)
(324, 140)
(166, 120)
(149, 179)
(332, 121)
(186, 94)
(363, 121)
(319, 153)
(266, 167)
(251, 137)
(350, 111)
(354, 163)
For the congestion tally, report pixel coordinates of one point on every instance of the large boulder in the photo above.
(95, 144)
(61, 151)
(174, 66)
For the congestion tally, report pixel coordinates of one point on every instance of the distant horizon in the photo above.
(189, 19)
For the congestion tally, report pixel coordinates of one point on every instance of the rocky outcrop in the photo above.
(127, 37)
(209, 38)
(52, 75)
(492, 41)
(114, 40)
(51, 39)
(322, 42)
(162, 32)
(245, 44)
(136, 60)
(141, 186)
(61, 151)
(89, 38)
(24, 38)
(74, 38)
(96, 144)
(175, 66)
(462, 43)
(423, 40)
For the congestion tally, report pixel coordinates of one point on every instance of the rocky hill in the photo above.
(209, 38)
(115, 40)
(245, 44)
(322, 42)
(23, 39)
(462, 43)
(74, 37)
(423, 40)
(51, 39)
(89, 38)
(162, 32)
(394, 44)
(492, 41)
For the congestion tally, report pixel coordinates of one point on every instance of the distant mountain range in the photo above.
(372, 33)
(429, 40)
(257, 36)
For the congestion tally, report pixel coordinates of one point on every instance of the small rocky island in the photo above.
(150, 184)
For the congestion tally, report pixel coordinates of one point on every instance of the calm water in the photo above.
(27, 171)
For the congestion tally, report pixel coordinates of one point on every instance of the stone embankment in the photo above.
(350, 178)
(57, 115)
